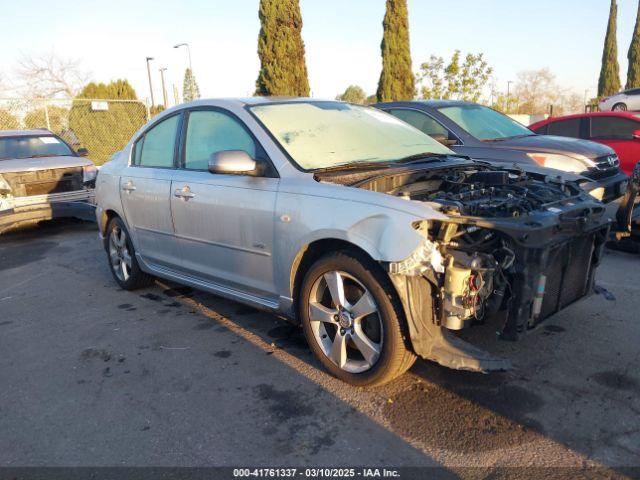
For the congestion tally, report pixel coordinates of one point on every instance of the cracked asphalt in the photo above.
(92, 375)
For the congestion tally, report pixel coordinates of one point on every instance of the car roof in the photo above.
(631, 115)
(241, 102)
(430, 103)
(24, 133)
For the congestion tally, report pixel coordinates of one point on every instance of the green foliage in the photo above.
(58, 118)
(609, 81)
(283, 70)
(633, 74)
(396, 79)
(353, 94)
(458, 81)
(190, 89)
(371, 99)
(156, 109)
(117, 89)
(8, 121)
(104, 132)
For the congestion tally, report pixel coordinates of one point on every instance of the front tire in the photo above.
(122, 258)
(619, 107)
(352, 320)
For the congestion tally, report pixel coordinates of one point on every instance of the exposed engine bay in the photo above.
(478, 192)
(518, 248)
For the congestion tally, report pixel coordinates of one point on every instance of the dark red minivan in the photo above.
(618, 130)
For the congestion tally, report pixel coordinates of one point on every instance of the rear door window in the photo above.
(613, 128)
(565, 128)
(158, 146)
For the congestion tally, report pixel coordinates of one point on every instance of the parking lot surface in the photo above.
(96, 376)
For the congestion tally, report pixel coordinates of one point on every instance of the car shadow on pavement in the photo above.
(468, 415)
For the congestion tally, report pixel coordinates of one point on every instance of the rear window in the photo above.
(33, 146)
(565, 128)
(613, 127)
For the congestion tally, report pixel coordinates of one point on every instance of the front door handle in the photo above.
(128, 187)
(185, 193)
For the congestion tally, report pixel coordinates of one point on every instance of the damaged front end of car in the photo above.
(517, 248)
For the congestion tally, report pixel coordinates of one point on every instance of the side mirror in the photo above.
(232, 162)
(636, 134)
(83, 152)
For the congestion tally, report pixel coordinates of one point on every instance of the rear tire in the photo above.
(353, 320)
(122, 258)
(619, 107)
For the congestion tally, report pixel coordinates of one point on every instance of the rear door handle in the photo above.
(185, 193)
(128, 187)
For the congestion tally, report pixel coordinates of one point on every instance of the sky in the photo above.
(342, 39)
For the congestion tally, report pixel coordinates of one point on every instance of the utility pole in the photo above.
(150, 84)
(164, 90)
(508, 95)
(176, 98)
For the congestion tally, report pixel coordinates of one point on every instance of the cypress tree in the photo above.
(396, 80)
(190, 89)
(283, 70)
(633, 74)
(609, 82)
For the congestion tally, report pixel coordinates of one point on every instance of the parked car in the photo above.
(483, 133)
(41, 177)
(618, 130)
(378, 239)
(621, 102)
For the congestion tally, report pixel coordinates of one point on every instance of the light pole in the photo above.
(150, 84)
(164, 90)
(188, 52)
(509, 82)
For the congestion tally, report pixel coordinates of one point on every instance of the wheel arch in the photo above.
(311, 252)
(105, 218)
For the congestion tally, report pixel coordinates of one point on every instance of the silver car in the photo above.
(626, 100)
(377, 239)
(41, 177)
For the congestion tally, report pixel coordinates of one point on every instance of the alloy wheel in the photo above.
(346, 321)
(119, 254)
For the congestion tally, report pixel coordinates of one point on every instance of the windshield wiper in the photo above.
(354, 166)
(428, 157)
(425, 157)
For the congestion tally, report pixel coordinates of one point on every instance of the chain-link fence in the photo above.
(101, 126)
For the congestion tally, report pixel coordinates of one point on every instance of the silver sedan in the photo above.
(377, 239)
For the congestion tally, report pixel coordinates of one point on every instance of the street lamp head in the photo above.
(149, 59)
(179, 45)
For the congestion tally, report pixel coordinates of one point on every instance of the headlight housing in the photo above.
(89, 173)
(565, 163)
